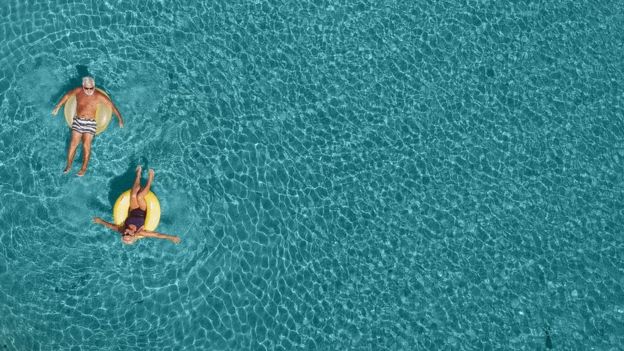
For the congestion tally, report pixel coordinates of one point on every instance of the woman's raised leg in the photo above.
(141, 195)
(136, 187)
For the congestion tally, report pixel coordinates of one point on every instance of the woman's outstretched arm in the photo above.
(98, 220)
(150, 234)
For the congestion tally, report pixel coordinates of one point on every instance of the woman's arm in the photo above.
(98, 220)
(150, 234)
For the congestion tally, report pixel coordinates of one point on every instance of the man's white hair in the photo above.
(88, 79)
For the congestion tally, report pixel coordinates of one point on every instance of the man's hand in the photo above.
(175, 240)
(56, 110)
(97, 220)
(121, 124)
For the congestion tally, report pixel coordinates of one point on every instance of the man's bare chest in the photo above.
(86, 102)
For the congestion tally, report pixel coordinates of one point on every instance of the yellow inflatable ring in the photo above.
(103, 113)
(152, 217)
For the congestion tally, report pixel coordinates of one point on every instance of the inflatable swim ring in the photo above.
(103, 113)
(152, 217)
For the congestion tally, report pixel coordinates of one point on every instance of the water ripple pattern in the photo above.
(345, 175)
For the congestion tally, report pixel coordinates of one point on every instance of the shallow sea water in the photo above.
(364, 175)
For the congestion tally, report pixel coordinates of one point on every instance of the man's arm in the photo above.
(150, 234)
(110, 104)
(63, 101)
(98, 220)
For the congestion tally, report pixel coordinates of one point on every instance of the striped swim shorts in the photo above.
(83, 125)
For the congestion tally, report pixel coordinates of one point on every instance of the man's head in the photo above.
(88, 85)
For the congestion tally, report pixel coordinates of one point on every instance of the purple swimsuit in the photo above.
(136, 217)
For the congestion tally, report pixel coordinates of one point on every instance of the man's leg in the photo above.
(145, 191)
(87, 138)
(136, 187)
(71, 152)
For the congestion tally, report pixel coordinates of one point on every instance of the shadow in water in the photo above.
(123, 182)
(548, 340)
(72, 82)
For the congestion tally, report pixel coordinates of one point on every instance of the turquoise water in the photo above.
(365, 175)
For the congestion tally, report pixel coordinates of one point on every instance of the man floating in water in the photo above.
(84, 123)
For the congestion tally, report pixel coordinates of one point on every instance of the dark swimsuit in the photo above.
(136, 217)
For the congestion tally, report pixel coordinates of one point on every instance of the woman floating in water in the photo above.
(132, 228)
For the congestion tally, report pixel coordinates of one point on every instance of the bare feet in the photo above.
(67, 169)
(150, 176)
(82, 172)
(139, 169)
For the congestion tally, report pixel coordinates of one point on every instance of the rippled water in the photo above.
(365, 175)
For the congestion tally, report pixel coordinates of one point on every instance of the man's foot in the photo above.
(67, 169)
(82, 172)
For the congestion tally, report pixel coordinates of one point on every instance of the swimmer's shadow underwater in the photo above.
(117, 185)
(76, 81)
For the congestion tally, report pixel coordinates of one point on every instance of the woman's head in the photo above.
(130, 229)
(128, 239)
(127, 235)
